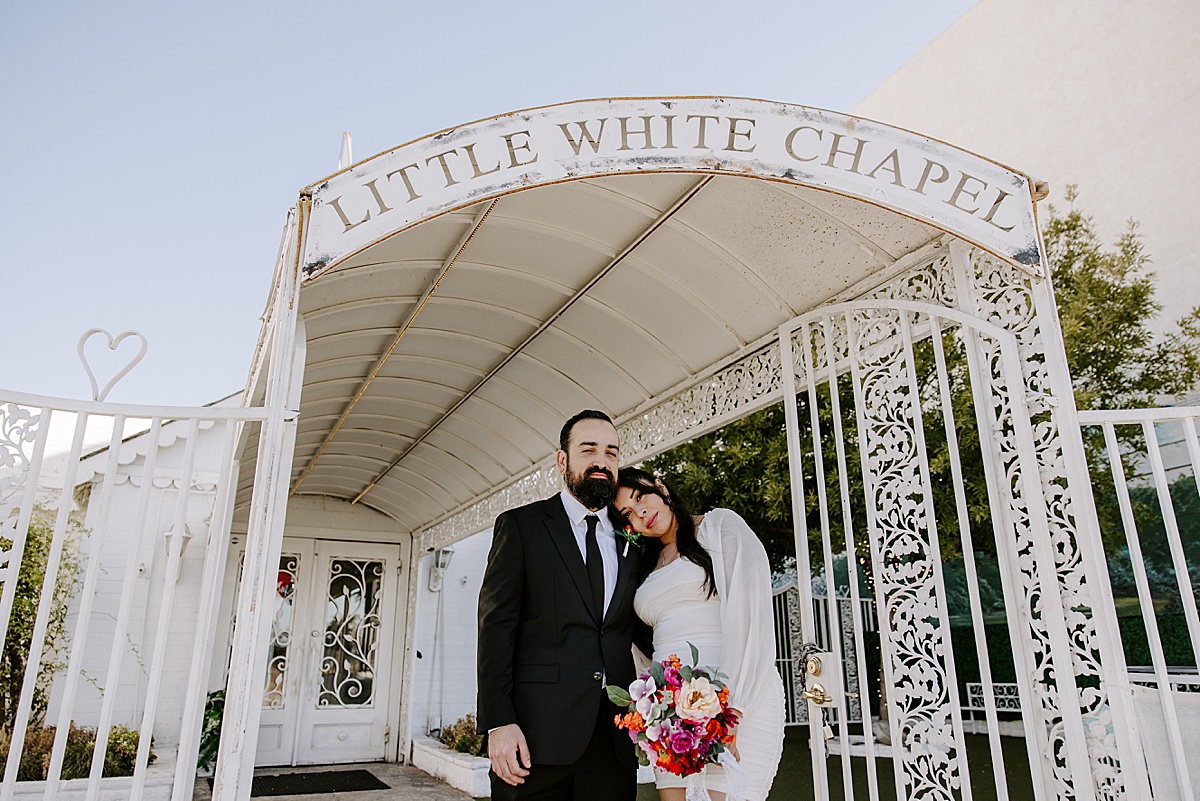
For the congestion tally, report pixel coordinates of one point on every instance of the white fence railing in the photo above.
(1153, 461)
(119, 556)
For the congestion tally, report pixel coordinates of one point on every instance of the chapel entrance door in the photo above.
(327, 689)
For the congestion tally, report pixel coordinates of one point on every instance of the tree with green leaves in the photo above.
(14, 655)
(1106, 308)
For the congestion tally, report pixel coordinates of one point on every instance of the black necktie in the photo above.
(595, 566)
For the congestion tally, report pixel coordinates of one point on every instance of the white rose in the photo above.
(697, 700)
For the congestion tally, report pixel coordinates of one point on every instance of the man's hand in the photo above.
(509, 753)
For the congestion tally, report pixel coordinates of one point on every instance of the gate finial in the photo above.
(113, 343)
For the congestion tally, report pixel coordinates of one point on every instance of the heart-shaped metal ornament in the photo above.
(113, 343)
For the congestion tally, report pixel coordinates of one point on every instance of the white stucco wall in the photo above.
(444, 683)
(1104, 94)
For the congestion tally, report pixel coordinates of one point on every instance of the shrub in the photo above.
(120, 758)
(210, 733)
(15, 654)
(463, 737)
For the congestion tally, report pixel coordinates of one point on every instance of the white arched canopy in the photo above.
(464, 293)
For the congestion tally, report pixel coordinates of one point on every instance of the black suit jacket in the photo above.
(541, 649)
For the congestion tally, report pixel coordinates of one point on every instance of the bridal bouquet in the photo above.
(679, 716)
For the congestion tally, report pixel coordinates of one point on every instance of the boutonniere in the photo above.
(631, 538)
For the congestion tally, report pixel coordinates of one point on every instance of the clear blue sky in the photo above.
(150, 151)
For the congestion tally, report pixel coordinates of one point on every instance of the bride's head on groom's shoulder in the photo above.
(658, 514)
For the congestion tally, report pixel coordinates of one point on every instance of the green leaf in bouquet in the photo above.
(618, 696)
(685, 673)
(657, 673)
(695, 654)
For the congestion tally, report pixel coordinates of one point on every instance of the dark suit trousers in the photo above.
(596, 776)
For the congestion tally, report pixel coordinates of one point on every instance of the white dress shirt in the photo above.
(605, 539)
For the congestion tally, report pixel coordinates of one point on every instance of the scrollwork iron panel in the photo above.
(351, 633)
(281, 631)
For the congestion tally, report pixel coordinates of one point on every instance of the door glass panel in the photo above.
(281, 630)
(351, 633)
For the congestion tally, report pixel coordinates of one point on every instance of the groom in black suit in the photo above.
(555, 625)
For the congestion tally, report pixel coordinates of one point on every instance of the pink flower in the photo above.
(682, 740)
(672, 677)
(644, 696)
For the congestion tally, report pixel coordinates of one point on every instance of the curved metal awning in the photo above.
(465, 293)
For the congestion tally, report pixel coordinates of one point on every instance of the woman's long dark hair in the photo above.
(685, 526)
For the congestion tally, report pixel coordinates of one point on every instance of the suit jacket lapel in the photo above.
(625, 577)
(558, 525)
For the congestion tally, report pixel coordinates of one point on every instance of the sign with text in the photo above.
(971, 197)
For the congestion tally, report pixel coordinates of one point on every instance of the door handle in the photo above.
(817, 695)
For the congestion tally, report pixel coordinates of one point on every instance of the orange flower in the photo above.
(633, 721)
(723, 696)
(674, 660)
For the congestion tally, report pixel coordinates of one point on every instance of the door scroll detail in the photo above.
(351, 633)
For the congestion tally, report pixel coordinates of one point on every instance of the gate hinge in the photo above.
(387, 733)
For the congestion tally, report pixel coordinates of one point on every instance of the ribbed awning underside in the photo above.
(604, 292)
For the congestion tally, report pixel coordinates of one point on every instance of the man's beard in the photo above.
(592, 492)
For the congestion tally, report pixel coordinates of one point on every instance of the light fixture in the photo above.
(187, 536)
(441, 561)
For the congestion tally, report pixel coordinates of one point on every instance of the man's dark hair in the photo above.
(564, 437)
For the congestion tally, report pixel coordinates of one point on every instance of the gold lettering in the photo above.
(941, 179)
(734, 132)
(644, 133)
(834, 152)
(337, 206)
(670, 120)
(584, 134)
(514, 147)
(893, 159)
(995, 206)
(961, 190)
(475, 163)
(704, 118)
(791, 139)
(383, 207)
(441, 159)
(403, 173)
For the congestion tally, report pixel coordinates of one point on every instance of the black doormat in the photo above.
(326, 781)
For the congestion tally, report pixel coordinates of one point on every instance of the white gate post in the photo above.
(264, 539)
(1113, 670)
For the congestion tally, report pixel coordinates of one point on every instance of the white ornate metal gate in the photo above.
(111, 566)
(954, 369)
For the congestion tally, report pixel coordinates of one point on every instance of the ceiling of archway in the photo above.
(608, 292)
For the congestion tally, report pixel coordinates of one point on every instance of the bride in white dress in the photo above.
(710, 585)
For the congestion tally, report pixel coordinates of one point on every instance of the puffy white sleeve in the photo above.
(743, 577)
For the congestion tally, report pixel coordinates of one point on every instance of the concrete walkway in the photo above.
(406, 782)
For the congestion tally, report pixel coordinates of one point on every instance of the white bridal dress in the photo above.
(735, 632)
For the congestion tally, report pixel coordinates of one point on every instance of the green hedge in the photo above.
(119, 759)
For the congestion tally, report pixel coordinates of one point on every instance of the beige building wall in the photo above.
(1100, 93)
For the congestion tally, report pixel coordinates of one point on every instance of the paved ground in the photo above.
(407, 784)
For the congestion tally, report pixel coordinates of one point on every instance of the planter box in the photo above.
(461, 771)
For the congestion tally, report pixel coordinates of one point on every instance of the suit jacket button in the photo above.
(597, 675)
